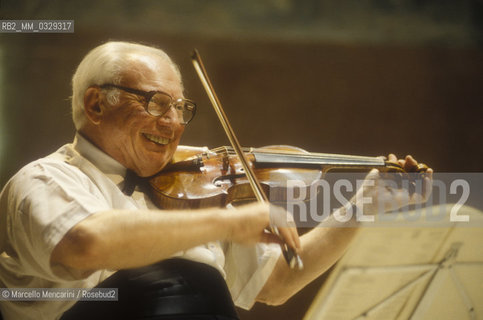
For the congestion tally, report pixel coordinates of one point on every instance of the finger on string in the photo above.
(410, 165)
(392, 157)
(422, 194)
(373, 174)
(428, 183)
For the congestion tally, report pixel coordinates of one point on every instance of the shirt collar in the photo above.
(109, 166)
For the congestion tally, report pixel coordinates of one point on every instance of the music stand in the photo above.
(423, 270)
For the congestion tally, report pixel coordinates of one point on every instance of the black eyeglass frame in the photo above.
(148, 95)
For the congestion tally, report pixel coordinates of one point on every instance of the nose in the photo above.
(170, 116)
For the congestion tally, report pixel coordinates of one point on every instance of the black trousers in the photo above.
(171, 289)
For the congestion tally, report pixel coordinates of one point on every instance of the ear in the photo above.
(92, 105)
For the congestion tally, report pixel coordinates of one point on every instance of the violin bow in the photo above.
(292, 258)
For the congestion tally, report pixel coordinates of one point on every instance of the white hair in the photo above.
(106, 64)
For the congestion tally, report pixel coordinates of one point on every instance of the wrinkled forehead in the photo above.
(151, 72)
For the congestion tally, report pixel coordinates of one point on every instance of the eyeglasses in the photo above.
(157, 103)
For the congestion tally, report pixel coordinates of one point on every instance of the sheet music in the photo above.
(389, 273)
(357, 290)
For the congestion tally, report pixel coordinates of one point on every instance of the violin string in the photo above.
(280, 156)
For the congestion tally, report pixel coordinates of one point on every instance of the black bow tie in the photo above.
(131, 180)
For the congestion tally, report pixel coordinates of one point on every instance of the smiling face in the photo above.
(126, 131)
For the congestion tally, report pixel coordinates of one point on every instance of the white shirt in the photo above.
(47, 197)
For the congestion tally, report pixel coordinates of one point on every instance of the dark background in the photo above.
(354, 77)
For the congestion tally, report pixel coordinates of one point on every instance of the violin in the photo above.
(233, 175)
(201, 178)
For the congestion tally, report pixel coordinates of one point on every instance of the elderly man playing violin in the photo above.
(74, 220)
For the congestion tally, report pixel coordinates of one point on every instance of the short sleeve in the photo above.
(247, 270)
(44, 202)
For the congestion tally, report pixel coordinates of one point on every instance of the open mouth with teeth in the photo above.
(156, 139)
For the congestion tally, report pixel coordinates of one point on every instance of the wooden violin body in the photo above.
(200, 178)
(216, 178)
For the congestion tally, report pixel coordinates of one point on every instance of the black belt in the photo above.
(170, 289)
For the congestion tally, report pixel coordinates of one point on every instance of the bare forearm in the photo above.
(125, 239)
(321, 248)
